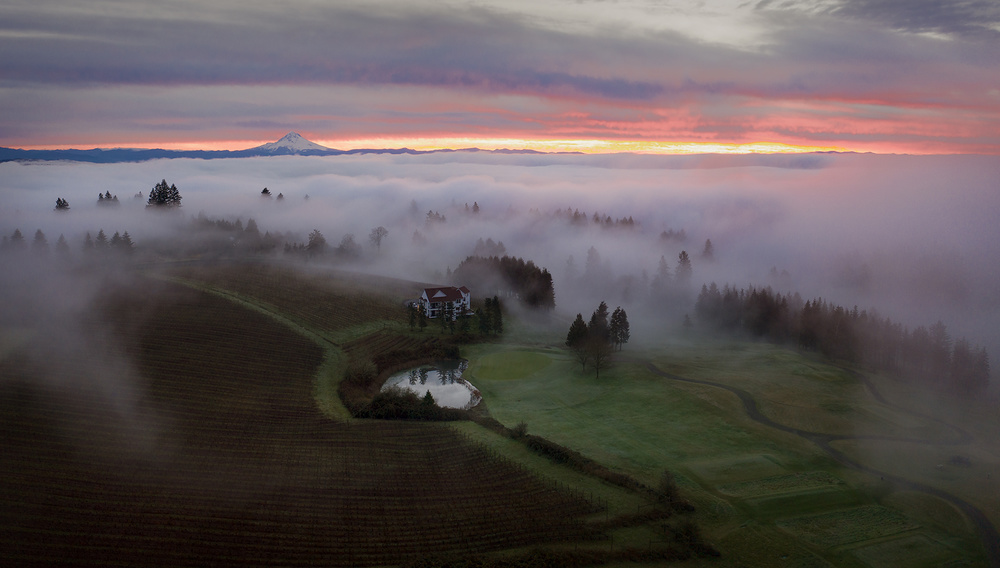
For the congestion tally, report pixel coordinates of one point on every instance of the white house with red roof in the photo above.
(437, 302)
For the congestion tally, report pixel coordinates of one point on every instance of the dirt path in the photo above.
(987, 533)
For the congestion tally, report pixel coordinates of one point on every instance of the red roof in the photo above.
(445, 293)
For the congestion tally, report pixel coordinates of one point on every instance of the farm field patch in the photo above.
(916, 550)
(805, 481)
(797, 390)
(969, 471)
(841, 527)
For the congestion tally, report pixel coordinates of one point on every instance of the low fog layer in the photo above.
(914, 237)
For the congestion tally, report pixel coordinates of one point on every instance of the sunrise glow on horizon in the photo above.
(719, 76)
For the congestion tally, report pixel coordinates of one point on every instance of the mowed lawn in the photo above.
(629, 419)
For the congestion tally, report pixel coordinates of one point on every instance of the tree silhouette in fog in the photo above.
(164, 196)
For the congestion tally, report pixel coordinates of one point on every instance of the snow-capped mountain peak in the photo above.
(291, 143)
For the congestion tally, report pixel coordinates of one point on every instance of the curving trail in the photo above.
(987, 533)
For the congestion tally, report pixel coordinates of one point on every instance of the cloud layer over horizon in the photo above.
(883, 76)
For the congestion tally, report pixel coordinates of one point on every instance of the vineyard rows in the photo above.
(321, 303)
(220, 456)
(377, 343)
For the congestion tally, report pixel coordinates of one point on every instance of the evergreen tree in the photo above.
(265, 193)
(348, 248)
(62, 204)
(961, 366)
(40, 245)
(317, 243)
(619, 328)
(101, 243)
(980, 371)
(411, 311)
(497, 318)
(164, 196)
(661, 282)
(939, 353)
(599, 338)
(577, 338)
(126, 243)
(251, 229)
(598, 326)
(428, 399)
(449, 314)
(683, 271)
(422, 319)
(464, 325)
(88, 242)
(16, 240)
(594, 267)
(484, 321)
(62, 247)
(709, 252)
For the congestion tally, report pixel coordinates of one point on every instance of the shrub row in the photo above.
(667, 493)
(545, 558)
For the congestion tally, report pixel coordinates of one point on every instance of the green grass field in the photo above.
(764, 496)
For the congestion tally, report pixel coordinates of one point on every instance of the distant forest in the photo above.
(927, 355)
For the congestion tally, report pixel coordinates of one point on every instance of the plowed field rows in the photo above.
(320, 302)
(378, 343)
(214, 453)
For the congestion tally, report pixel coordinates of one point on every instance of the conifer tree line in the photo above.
(118, 242)
(925, 354)
(595, 342)
(40, 244)
(575, 217)
(520, 278)
(106, 199)
(163, 195)
(490, 317)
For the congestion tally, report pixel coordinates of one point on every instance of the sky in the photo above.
(669, 76)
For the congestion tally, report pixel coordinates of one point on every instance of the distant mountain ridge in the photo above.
(291, 144)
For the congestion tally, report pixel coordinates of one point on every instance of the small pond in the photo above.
(443, 379)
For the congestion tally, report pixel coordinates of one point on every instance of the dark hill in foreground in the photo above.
(222, 457)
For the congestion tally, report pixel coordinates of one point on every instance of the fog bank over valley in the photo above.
(913, 237)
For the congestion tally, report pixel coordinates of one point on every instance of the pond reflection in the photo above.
(444, 381)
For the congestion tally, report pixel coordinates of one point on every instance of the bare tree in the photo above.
(601, 351)
(376, 236)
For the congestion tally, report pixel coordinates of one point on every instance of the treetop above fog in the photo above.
(163, 195)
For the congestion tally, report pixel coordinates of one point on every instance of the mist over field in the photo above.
(914, 237)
